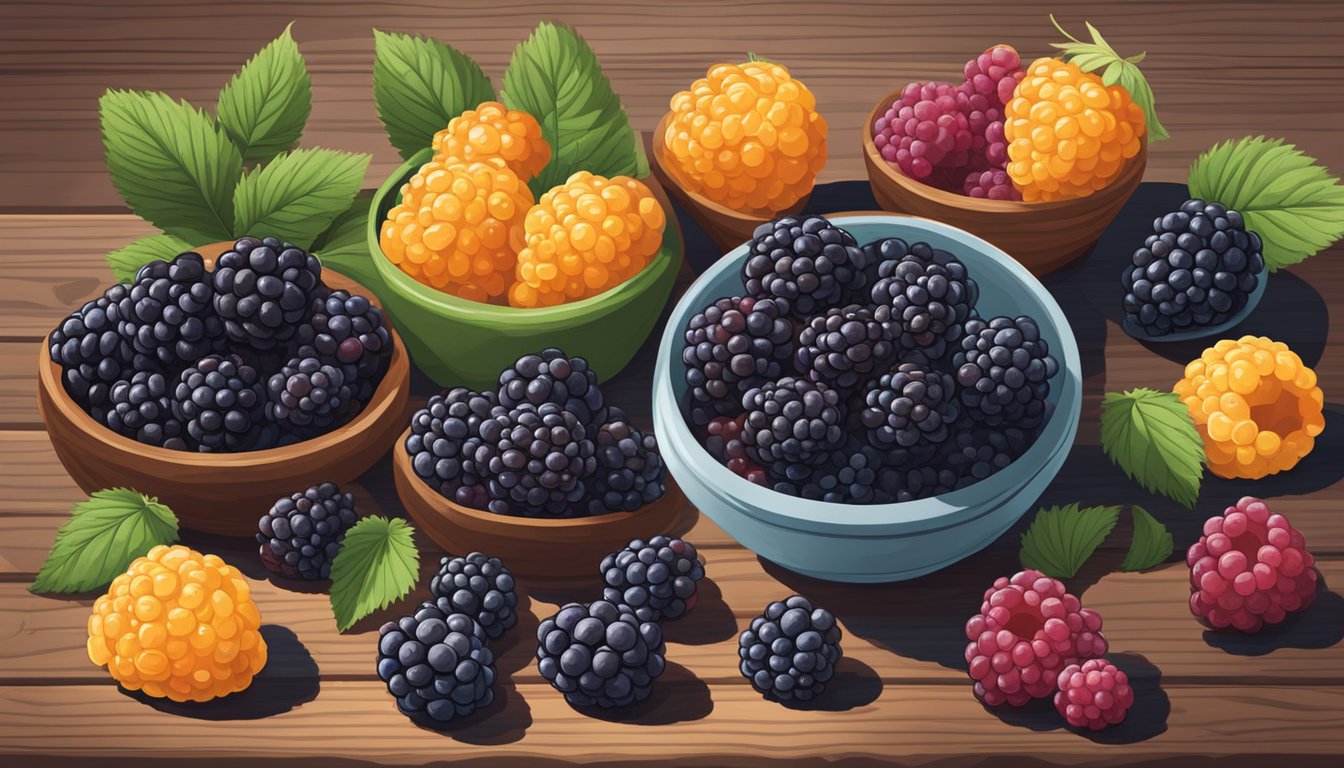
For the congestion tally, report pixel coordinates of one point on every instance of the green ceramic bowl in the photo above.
(465, 343)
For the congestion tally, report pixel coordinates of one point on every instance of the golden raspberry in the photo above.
(458, 227)
(1068, 134)
(585, 236)
(493, 130)
(178, 624)
(1256, 405)
(747, 137)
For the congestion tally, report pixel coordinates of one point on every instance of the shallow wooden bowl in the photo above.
(535, 547)
(726, 227)
(1042, 236)
(223, 493)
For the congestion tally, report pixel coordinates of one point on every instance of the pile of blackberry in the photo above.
(545, 443)
(250, 355)
(889, 385)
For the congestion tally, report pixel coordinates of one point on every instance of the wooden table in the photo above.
(901, 695)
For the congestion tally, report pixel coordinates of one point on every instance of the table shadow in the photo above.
(854, 685)
(1319, 626)
(709, 621)
(504, 721)
(677, 696)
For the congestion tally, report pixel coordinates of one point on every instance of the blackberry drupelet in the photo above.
(811, 264)
(142, 408)
(436, 663)
(849, 476)
(222, 404)
(792, 421)
(302, 533)
(733, 345)
(349, 331)
(656, 579)
(910, 411)
(925, 294)
(536, 458)
(169, 312)
(629, 470)
(308, 392)
(90, 349)
(1004, 369)
(479, 586)
(550, 377)
(843, 346)
(445, 435)
(264, 289)
(600, 654)
(790, 651)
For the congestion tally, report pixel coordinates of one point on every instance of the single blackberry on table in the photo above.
(1004, 369)
(349, 331)
(436, 663)
(733, 345)
(600, 654)
(169, 312)
(974, 452)
(142, 408)
(264, 289)
(910, 410)
(91, 350)
(656, 579)
(221, 402)
(302, 533)
(629, 472)
(811, 264)
(925, 294)
(551, 377)
(308, 392)
(792, 420)
(843, 346)
(790, 650)
(445, 436)
(479, 586)
(1197, 269)
(536, 459)
(723, 440)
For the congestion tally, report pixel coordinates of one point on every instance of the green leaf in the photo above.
(171, 163)
(127, 260)
(348, 229)
(1098, 55)
(419, 85)
(1151, 436)
(1132, 80)
(555, 77)
(297, 195)
(378, 563)
(103, 535)
(265, 105)
(1285, 196)
(1061, 539)
(1151, 544)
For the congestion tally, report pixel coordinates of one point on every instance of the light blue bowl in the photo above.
(878, 542)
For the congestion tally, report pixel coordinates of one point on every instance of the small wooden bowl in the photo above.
(726, 227)
(535, 547)
(1042, 236)
(223, 493)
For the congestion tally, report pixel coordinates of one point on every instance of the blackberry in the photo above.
(90, 349)
(925, 294)
(811, 264)
(1197, 269)
(264, 289)
(655, 579)
(1004, 368)
(141, 408)
(550, 377)
(349, 331)
(723, 440)
(445, 435)
(843, 346)
(309, 393)
(169, 313)
(975, 452)
(436, 663)
(793, 421)
(600, 654)
(302, 533)
(536, 458)
(630, 471)
(909, 411)
(479, 586)
(733, 345)
(849, 476)
(790, 650)
(905, 483)
(222, 404)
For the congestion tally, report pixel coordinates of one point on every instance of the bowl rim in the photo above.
(383, 398)
(853, 519)
(1127, 323)
(1132, 172)
(669, 257)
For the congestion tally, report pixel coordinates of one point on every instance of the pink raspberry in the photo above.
(993, 184)
(995, 73)
(1249, 569)
(922, 129)
(1028, 629)
(1093, 695)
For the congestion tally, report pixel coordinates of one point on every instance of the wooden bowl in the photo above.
(1042, 236)
(535, 547)
(726, 227)
(223, 493)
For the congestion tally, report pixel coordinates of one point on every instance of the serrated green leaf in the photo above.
(555, 77)
(101, 537)
(348, 228)
(297, 195)
(1151, 544)
(264, 107)
(419, 85)
(1132, 80)
(1061, 539)
(127, 260)
(173, 165)
(1285, 196)
(378, 563)
(1151, 436)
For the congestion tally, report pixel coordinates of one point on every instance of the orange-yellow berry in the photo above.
(492, 130)
(584, 237)
(459, 227)
(1255, 403)
(1068, 134)
(747, 136)
(179, 625)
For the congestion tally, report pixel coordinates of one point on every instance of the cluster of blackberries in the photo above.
(544, 444)
(302, 533)
(861, 374)
(790, 651)
(254, 354)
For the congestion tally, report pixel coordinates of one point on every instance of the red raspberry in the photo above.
(922, 128)
(995, 73)
(1249, 569)
(993, 184)
(725, 444)
(1093, 695)
(1028, 629)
